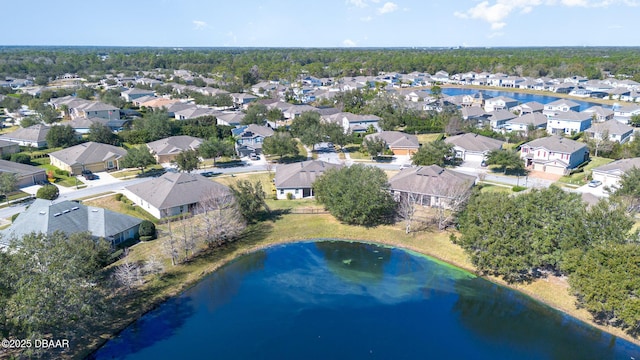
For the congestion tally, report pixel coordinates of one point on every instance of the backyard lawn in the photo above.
(581, 178)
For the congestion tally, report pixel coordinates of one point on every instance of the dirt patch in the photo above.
(544, 175)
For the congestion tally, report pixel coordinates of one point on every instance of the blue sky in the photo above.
(321, 23)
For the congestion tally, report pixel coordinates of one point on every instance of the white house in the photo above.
(569, 122)
(500, 103)
(560, 106)
(610, 174)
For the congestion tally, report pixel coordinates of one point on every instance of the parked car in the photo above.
(254, 156)
(595, 183)
(87, 174)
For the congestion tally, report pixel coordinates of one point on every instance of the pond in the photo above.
(351, 300)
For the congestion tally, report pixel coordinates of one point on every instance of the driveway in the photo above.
(599, 191)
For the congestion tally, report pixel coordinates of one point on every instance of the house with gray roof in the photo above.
(559, 106)
(611, 129)
(32, 136)
(174, 193)
(398, 142)
(431, 185)
(230, 119)
(522, 124)
(8, 147)
(165, 150)
(249, 138)
(27, 175)
(297, 178)
(88, 156)
(600, 114)
(473, 147)
(554, 154)
(500, 103)
(47, 217)
(497, 119)
(135, 93)
(568, 122)
(610, 174)
(529, 107)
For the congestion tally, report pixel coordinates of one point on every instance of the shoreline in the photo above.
(526, 289)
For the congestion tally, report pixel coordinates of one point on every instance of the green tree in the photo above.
(280, 144)
(85, 93)
(308, 128)
(102, 134)
(138, 157)
(635, 120)
(156, 124)
(112, 97)
(48, 192)
(628, 191)
(8, 184)
(508, 160)
(61, 136)
(251, 199)
(374, 146)
(256, 114)
(187, 161)
(357, 195)
(334, 133)
(215, 147)
(275, 114)
(22, 158)
(434, 153)
(436, 91)
(147, 230)
(39, 302)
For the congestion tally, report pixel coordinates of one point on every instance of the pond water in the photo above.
(349, 300)
(521, 97)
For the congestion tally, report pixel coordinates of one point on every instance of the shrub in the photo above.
(518, 188)
(48, 192)
(14, 216)
(146, 238)
(118, 197)
(289, 196)
(21, 158)
(147, 229)
(62, 172)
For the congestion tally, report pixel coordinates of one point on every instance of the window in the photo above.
(281, 191)
(297, 191)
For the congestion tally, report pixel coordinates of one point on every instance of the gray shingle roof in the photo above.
(70, 217)
(474, 142)
(430, 180)
(396, 139)
(174, 144)
(88, 153)
(34, 133)
(18, 168)
(536, 119)
(176, 189)
(619, 166)
(613, 127)
(556, 144)
(302, 174)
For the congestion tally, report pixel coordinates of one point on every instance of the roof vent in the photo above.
(57, 214)
(65, 211)
(75, 208)
(42, 212)
(94, 210)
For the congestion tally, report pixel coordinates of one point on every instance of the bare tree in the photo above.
(221, 218)
(153, 266)
(450, 198)
(128, 274)
(407, 208)
(169, 246)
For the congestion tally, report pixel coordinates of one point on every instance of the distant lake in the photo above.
(521, 97)
(344, 300)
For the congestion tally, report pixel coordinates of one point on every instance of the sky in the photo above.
(321, 23)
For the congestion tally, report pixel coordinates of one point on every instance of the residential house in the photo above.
(249, 138)
(32, 136)
(82, 125)
(554, 154)
(193, 112)
(398, 142)
(8, 147)
(47, 217)
(497, 119)
(530, 120)
(560, 106)
(474, 113)
(27, 175)
(165, 150)
(431, 185)
(477, 99)
(499, 103)
(230, 119)
(610, 174)
(473, 147)
(297, 178)
(134, 93)
(600, 114)
(613, 130)
(625, 113)
(243, 99)
(176, 193)
(91, 156)
(569, 122)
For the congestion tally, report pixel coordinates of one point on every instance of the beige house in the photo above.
(297, 178)
(88, 156)
(431, 185)
(398, 142)
(174, 193)
(165, 150)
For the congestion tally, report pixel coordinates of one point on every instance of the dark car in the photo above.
(87, 174)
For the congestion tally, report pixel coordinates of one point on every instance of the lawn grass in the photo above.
(66, 181)
(581, 178)
(126, 173)
(496, 188)
(110, 203)
(427, 138)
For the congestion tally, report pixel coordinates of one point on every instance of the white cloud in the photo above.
(366, 18)
(495, 12)
(348, 43)
(357, 3)
(388, 7)
(199, 24)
